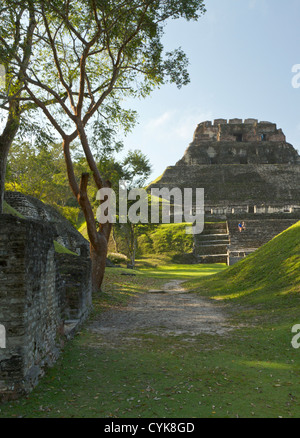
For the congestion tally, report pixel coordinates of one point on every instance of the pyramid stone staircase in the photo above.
(212, 245)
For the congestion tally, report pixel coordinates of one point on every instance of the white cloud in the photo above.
(165, 137)
(258, 4)
(176, 124)
(252, 4)
(161, 121)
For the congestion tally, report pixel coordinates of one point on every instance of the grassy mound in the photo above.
(270, 274)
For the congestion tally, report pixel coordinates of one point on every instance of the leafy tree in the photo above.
(34, 171)
(135, 170)
(41, 172)
(86, 57)
(16, 36)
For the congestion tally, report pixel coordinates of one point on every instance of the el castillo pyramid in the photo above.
(249, 173)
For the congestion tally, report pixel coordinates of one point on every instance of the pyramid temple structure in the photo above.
(249, 173)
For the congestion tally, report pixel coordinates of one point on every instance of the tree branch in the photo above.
(87, 210)
(56, 60)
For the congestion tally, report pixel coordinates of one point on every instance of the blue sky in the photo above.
(241, 55)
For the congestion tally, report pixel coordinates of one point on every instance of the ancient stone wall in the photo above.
(238, 142)
(32, 208)
(29, 303)
(237, 130)
(76, 275)
(237, 186)
(258, 232)
(35, 300)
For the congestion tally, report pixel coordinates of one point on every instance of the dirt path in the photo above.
(166, 312)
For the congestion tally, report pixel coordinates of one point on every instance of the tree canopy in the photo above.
(75, 61)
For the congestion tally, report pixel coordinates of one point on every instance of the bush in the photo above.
(117, 259)
(166, 239)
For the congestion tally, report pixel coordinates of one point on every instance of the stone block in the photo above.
(250, 121)
(220, 122)
(235, 121)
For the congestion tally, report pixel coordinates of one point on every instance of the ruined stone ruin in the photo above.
(249, 173)
(44, 295)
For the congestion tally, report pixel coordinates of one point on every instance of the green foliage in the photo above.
(72, 214)
(7, 209)
(83, 59)
(136, 168)
(145, 244)
(117, 44)
(38, 172)
(62, 249)
(118, 259)
(166, 239)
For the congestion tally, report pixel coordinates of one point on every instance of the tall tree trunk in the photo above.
(98, 238)
(133, 244)
(115, 239)
(6, 139)
(98, 252)
(98, 257)
(3, 160)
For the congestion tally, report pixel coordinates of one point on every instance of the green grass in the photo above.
(7, 209)
(62, 249)
(83, 230)
(268, 279)
(183, 272)
(251, 371)
(158, 381)
(150, 273)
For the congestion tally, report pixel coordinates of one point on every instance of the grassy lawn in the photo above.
(251, 371)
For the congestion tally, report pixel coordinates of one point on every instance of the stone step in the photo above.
(211, 259)
(211, 246)
(211, 236)
(213, 242)
(214, 231)
(215, 225)
(258, 232)
(211, 250)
